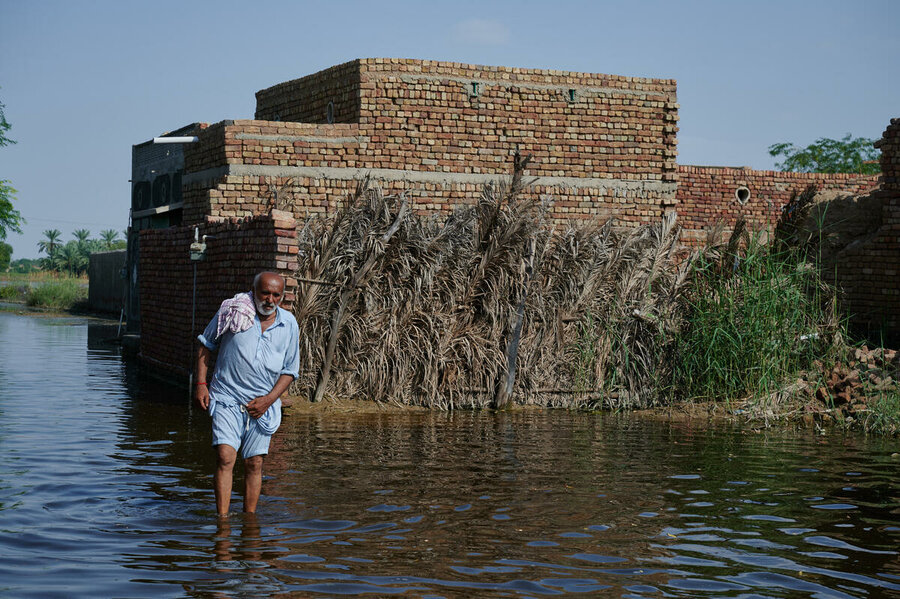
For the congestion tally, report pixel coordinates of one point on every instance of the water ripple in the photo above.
(110, 473)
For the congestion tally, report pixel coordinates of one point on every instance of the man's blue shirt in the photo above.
(250, 362)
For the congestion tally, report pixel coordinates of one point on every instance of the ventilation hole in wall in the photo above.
(742, 195)
(571, 95)
(329, 112)
(473, 91)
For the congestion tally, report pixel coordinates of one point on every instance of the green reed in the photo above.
(57, 295)
(752, 321)
(10, 292)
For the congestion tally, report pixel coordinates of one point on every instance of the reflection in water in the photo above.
(106, 490)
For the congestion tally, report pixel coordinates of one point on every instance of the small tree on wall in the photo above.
(825, 155)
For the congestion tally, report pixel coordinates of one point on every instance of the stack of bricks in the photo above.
(869, 272)
(602, 145)
(707, 195)
(237, 249)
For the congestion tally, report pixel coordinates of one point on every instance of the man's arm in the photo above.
(201, 391)
(259, 405)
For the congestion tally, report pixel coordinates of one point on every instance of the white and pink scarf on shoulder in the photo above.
(236, 314)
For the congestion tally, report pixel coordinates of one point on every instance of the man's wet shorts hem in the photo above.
(233, 426)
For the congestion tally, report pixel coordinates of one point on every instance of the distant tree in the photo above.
(5, 255)
(10, 219)
(70, 258)
(81, 235)
(110, 238)
(24, 265)
(845, 155)
(49, 245)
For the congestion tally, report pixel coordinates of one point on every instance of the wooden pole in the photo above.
(359, 278)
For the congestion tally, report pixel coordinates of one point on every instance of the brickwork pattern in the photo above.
(245, 196)
(602, 145)
(869, 272)
(573, 124)
(453, 117)
(306, 99)
(707, 194)
(237, 250)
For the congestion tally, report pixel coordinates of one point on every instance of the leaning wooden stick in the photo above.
(358, 278)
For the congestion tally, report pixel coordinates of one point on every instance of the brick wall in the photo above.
(706, 194)
(238, 250)
(869, 272)
(602, 145)
(454, 117)
(306, 100)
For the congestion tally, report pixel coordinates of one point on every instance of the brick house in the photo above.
(603, 146)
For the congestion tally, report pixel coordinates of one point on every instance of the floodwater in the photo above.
(105, 491)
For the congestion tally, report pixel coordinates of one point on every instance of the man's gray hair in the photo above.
(265, 272)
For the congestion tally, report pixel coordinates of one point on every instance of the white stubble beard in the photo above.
(260, 307)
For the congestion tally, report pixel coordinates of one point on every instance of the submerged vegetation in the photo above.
(494, 305)
(47, 290)
(63, 294)
(754, 318)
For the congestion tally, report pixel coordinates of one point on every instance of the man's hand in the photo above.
(259, 405)
(201, 396)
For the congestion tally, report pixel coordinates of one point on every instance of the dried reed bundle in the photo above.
(486, 307)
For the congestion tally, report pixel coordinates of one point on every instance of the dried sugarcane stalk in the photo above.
(359, 277)
(504, 391)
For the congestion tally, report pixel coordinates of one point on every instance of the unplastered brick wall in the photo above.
(305, 196)
(307, 99)
(455, 117)
(869, 272)
(709, 194)
(238, 167)
(237, 249)
(602, 145)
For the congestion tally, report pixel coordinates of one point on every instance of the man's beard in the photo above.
(264, 308)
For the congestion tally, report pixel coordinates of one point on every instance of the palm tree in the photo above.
(81, 235)
(71, 259)
(50, 244)
(109, 237)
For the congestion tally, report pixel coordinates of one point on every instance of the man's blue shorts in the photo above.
(233, 426)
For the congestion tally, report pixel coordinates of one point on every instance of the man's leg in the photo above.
(252, 482)
(222, 479)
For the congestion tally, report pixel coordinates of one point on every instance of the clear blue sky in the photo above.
(83, 81)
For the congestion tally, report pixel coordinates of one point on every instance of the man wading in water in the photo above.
(258, 347)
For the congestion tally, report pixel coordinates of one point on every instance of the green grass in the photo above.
(40, 275)
(751, 327)
(884, 413)
(10, 292)
(57, 295)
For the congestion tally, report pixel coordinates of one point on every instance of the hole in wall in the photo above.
(473, 90)
(571, 96)
(742, 194)
(329, 113)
